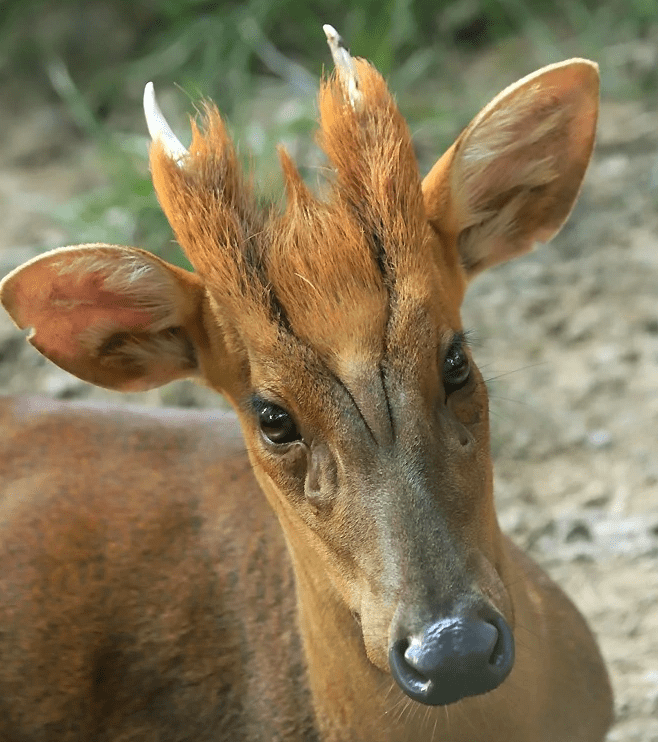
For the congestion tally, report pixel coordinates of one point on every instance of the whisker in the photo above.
(511, 399)
(514, 371)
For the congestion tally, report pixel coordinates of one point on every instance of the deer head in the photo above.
(334, 330)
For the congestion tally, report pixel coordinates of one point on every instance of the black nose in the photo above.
(453, 657)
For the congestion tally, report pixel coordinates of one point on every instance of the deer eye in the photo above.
(456, 366)
(276, 424)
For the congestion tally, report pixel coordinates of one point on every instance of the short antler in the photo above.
(344, 66)
(158, 127)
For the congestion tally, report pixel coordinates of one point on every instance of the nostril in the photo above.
(502, 656)
(498, 654)
(401, 646)
(414, 683)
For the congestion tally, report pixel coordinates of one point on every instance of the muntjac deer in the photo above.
(150, 593)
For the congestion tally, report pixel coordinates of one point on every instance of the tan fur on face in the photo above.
(325, 276)
(377, 172)
(325, 269)
(212, 211)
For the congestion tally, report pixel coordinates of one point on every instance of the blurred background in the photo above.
(74, 70)
(566, 337)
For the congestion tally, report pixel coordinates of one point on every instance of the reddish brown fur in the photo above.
(120, 602)
(148, 591)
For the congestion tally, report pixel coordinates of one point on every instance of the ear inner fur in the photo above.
(514, 174)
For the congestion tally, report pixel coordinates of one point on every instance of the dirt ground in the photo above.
(568, 337)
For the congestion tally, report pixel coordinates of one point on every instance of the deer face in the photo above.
(334, 330)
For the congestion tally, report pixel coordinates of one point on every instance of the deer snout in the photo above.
(454, 657)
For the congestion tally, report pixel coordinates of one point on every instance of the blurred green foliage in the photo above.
(260, 61)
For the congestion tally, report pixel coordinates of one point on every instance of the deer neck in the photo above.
(350, 694)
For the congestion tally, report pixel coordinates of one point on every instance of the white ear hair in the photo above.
(344, 66)
(159, 129)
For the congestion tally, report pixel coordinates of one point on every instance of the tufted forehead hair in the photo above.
(374, 270)
(327, 267)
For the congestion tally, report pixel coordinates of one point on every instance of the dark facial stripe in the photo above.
(380, 254)
(278, 312)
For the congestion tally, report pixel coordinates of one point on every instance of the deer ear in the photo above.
(512, 177)
(117, 317)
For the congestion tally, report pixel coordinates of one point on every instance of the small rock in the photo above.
(578, 531)
(600, 438)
